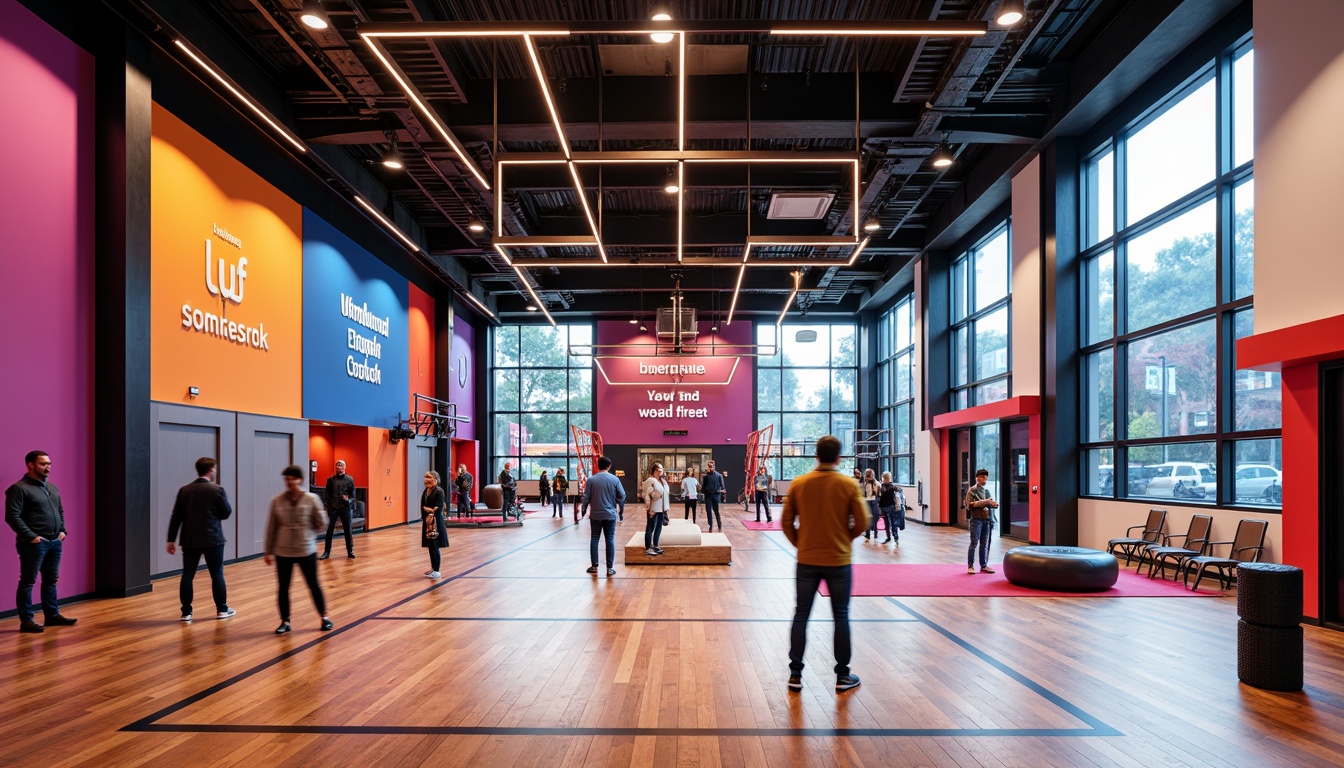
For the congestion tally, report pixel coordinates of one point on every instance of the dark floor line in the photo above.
(241, 676)
(628, 620)
(725, 577)
(430, 730)
(1099, 728)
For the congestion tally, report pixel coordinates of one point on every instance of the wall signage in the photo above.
(228, 286)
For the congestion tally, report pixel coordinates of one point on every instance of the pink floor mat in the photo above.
(943, 580)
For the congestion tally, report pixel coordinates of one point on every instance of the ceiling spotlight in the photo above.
(715, 327)
(661, 37)
(871, 224)
(313, 15)
(475, 224)
(531, 307)
(671, 186)
(942, 156)
(392, 159)
(634, 319)
(643, 328)
(1010, 12)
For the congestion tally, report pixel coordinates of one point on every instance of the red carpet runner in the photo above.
(944, 580)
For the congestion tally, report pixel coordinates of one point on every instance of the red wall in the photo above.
(1301, 479)
(420, 325)
(322, 449)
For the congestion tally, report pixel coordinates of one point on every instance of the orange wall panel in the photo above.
(239, 337)
(387, 480)
(420, 325)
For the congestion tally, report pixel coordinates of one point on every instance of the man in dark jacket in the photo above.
(33, 509)
(336, 496)
(509, 487)
(463, 483)
(200, 506)
(711, 485)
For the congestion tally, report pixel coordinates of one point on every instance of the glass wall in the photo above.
(980, 301)
(807, 389)
(895, 386)
(1168, 287)
(537, 392)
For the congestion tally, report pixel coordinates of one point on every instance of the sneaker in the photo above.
(324, 556)
(591, 569)
(611, 571)
(60, 621)
(350, 555)
(651, 552)
(224, 614)
(865, 536)
(758, 519)
(327, 626)
(185, 617)
(31, 627)
(970, 569)
(659, 550)
(795, 682)
(986, 569)
(432, 574)
(283, 628)
(846, 682)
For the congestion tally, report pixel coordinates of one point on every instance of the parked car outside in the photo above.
(1258, 482)
(1138, 479)
(1181, 479)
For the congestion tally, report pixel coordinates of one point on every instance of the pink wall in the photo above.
(46, 266)
(463, 358)
(727, 408)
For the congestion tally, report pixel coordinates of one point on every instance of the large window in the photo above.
(538, 391)
(807, 389)
(895, 385)
(980, 301)
(1167, 275)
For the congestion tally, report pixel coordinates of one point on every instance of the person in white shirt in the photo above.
(656, 495)
(689, 488)
(871, 491)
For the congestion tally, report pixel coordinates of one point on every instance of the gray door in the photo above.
(420, 459)
(179, 445)
(265, 454)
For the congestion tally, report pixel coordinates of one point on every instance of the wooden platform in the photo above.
(715, 549)
(516, 657)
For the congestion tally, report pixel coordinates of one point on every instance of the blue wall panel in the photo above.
(355, 343)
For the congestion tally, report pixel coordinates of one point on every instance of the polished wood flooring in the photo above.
(519, 658)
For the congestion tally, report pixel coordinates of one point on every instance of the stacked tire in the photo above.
(1269, 632)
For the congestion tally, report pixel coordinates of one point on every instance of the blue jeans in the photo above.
(603, 528)
(43, 557)
(873, 514)
(893, 522)
(558, 504)
(980, 532)
(839, 579)
(214, 563)
(653, 528)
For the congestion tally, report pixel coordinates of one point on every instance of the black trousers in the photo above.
(690, 510)
(284, 570)
(762, 500)
(344, 516)
(712, 510)
(214, 563)
(435, 559)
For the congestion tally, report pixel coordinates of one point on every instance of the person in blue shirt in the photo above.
(605, 498)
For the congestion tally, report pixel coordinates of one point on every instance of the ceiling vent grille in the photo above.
(800, 205)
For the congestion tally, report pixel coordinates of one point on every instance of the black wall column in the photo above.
(1061, 384)
(121, 428)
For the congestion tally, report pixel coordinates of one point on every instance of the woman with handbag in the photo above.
(433, 532)
(656, 496)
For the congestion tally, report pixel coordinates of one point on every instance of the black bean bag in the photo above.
(1063, 569)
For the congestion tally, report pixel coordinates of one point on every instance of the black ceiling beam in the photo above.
(627, 304)
(658, 279)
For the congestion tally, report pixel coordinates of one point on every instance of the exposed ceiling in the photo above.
(617, 93)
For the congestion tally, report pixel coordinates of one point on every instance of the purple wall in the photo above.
(46, 266)
(463, 357)
(723, 413)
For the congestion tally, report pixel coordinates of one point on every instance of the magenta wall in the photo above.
(46, 267)
(463, 359)
(728, 408)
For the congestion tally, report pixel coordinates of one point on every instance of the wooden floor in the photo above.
(518, 657)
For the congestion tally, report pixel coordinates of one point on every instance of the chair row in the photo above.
(1196, 552)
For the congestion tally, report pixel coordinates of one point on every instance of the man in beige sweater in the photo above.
(823, 514)
(291, 538)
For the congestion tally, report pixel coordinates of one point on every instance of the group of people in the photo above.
(886, 502)
(553, 492)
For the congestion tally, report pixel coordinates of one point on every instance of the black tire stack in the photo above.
(1269, 633)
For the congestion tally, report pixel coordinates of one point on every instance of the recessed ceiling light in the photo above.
(662, 37)
(313, 15)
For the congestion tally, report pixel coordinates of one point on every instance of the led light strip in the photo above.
(535, 298)
(737, 290)
(681, 93)
(478, 303)
(681, 210)
(503, 254)
(428, 114)
(546, 93)
(853, 257)
(587, 210)
(387, 223)
(275, 126)
(797, 280)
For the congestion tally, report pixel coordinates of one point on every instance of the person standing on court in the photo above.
(763, 484)
(337, 495)
(295, 520)
(980, 506)
(603, 492)
(712, 486)
(197, 512)
(823, 514)
(656, 498)
(872, 490)
(690, 487)
(559, 487)
(33, 509)
(509, 487)
(463, 483)
(433, 529)
(892, 504)
(544, 490)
